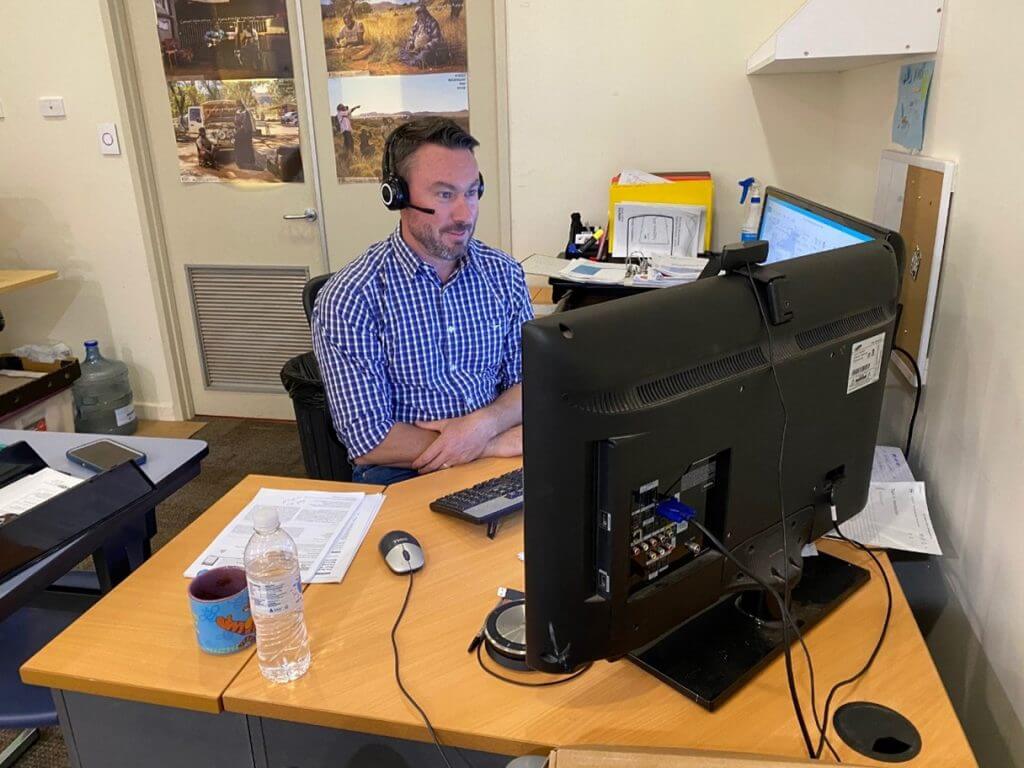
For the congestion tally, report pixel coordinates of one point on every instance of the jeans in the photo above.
(380, 475)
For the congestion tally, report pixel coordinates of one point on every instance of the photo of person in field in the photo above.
(383, 103)
(394, 37)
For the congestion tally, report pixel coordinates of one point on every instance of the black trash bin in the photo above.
(322, 453)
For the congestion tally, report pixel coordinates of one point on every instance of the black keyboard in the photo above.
(485, 501)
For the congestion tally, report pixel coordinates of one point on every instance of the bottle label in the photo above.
(274, 598)
(125, 415)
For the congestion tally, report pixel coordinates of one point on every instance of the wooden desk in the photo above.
(138, 642)
(351, 683)
(348, 710)
(10, 279)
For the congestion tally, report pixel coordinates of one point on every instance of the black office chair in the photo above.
(310, 291)
(323, 454)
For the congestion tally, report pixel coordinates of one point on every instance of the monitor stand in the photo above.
(711, 656)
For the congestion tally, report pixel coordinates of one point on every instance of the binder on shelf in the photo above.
(683, 188)
(53, 523)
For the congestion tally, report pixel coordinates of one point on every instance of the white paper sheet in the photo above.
(21, 495)
(896, 517)
(632, 176)
(585, 271)
(658, 231)
(890, 466)
(312, 518)
(346, 544)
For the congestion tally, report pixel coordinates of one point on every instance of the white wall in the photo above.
(64, 206)
(970, 435)
(595, 87)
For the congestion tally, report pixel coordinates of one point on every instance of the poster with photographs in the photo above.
(390, 61)
(228, 71)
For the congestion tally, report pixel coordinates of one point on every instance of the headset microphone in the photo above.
(431, 211)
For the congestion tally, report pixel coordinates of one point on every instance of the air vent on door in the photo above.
(249, 322)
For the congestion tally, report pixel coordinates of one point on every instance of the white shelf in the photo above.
(836, 35)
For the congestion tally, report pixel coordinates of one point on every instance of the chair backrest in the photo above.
(309, 292)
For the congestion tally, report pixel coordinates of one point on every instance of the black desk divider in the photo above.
(67, 516)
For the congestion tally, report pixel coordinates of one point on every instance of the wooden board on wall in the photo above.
(921, 202)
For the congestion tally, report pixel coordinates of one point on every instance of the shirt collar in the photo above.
(407, 257)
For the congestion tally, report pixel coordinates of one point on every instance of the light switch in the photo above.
(51, 106)
(109, 145)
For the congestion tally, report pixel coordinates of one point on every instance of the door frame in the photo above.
(140, 160)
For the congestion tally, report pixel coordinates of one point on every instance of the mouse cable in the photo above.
(881, 636)
(492, 673)
(398, 677)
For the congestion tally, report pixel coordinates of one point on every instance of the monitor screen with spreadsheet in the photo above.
(793, 228)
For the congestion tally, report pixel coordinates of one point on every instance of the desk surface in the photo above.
(351, 684)
(138, 642)
(10, 279)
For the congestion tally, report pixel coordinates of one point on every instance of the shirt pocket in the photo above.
(485, 353)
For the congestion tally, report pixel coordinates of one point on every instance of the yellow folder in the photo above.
(685, 188)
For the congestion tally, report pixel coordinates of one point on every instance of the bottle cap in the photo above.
(91, 343)
(265, 519)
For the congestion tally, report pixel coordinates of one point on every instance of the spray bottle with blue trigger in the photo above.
(752, 221)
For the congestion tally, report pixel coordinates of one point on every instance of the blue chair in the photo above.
(22, 634)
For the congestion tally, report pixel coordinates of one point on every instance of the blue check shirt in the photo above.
(395, 345)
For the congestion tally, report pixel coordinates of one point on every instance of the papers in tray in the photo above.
(327, 528)
(21, 495)
(896, 515)
(659, 231)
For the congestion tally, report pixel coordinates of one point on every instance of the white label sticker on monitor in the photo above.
(865, 363)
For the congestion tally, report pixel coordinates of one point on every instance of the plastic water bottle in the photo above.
(103, 395)
(753, 220)
(275, 597)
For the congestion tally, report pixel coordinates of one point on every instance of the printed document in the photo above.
(343, 550)
(659, 231)
(896, 517)
(21, 495)
(890, 466)
(314, 519)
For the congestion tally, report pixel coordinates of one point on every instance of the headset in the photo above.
(394, 191)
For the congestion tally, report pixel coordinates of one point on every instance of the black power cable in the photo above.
(782, 511)
(523, 683)
(398, 677)
(917, 396)
(881, 637)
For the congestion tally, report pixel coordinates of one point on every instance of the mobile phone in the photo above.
(102, 455)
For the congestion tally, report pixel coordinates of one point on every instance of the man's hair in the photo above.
(409, 137)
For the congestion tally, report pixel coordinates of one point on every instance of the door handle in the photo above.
(308, 215)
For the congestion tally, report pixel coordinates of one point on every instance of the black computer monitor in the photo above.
(671, 393)
(794, 226)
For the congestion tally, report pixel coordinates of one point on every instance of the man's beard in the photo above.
(436, 248)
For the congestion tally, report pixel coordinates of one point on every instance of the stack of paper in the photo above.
(327, 528)
(663, 232)
(21, 495)
(896, 516)
(684, 269)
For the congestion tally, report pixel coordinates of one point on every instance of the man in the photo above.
(418, 339)
(245, 154)
(351, 34)
(343, 118)
(425, 40)
(206, 150)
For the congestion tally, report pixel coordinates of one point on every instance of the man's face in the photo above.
(447, 180)
(349, 21)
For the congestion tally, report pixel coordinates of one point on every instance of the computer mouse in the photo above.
(401, 552)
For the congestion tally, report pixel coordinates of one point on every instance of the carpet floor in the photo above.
(238, 447)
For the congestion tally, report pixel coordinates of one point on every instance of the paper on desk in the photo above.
(683, 269)
(632, 176)
(658, 231)
(896, 517)
(21, 495)
(890, 466)
(312, 518)
(343, 550)
(584, 271)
